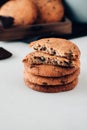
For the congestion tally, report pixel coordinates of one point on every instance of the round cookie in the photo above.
(51, 81)
(52, 89)
(24, 12)
(49, 11)
(38, 57)
(57, 46)
(49, 70)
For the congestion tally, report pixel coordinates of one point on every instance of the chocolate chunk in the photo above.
(32, 66)
(42, 58)
(70, 54)
(43, 48)
(2, 2)
(55, 62)
(6, 21)
(35, 48)
(44, 84)
(68, 63)
(53, 52)
(4, 54)
(62, 82)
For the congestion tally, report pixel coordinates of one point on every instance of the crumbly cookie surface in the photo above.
(49, 70)
(52, 89)
(57, 46)
(36, 58)
(50, 80)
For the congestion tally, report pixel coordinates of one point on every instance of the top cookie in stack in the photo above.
(54, 66)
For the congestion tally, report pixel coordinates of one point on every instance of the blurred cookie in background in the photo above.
(24, 12)
(49, 11)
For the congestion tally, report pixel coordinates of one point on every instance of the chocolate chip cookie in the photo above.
(49, 70)
(49, 11)
(57, 47)
(53, 66)
(52, 89)
(24, 12)
(51, 80)
(37, 58)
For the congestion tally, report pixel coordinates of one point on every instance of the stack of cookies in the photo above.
(53, 66)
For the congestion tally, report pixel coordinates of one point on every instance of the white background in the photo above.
(24, 109)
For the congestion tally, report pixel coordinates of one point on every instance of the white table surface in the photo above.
(24, 109)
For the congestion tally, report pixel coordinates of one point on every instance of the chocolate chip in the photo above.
(35, 48)
(55, 62)
(70, 54)
(63, 82)
(4, 54)
(53, 52)
(51, 48)
(35, 57)
(42, 58)
(68, 63)
(44, 84)
(6, 21)
(54, 7)
(43, 48)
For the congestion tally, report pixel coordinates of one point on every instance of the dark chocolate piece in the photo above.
(4, 54)
(53, 52)
(44, 84)
(42, 58)
(3, 2)
(43, 48)
(6, 21)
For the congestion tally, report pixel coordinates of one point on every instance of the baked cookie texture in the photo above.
(48, 72)
(24, 12)
(52, 89)
(58, 47)
(28, 12)
(51, 80)
(49, 11)
(36, 58)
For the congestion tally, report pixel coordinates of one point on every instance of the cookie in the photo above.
(49, 70)
(51, 80)
(49, 11)
(52, 89)
(57, 46)
(37, 58)
(24, 12)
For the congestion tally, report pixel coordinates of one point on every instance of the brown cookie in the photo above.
(49, 70)
(58, 47)
(24, 12)
(36, 58)
(52, 89)
(49, 11)
(51, 80)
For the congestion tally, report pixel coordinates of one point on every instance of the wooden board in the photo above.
(31, 31)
